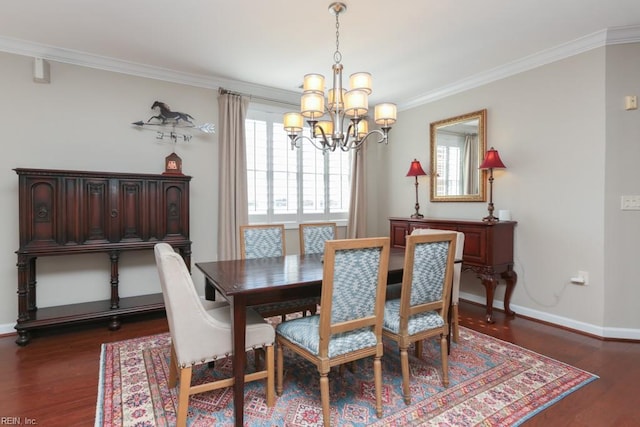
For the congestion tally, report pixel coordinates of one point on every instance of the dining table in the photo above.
(247, 282)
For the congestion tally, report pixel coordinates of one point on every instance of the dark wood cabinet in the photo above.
(70, 212)
(488, 250)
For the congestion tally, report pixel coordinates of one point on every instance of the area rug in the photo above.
(492, 383)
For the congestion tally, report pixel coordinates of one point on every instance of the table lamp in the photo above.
(491, 161)
(416, 170)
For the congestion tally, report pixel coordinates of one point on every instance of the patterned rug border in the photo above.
(444, 407)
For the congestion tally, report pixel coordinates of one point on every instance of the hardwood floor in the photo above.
(53, 381)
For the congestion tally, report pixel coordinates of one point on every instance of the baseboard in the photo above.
(599, 331)
(7, 329)
(606, 332)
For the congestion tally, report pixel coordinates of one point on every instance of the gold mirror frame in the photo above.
(456, 129)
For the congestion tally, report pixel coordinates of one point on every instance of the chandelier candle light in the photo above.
(327, 135)
(416, 170)
(491, 161)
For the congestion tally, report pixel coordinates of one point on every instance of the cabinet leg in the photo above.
(114, 324)
(511, 278)
(114, 256)
(489, 282)
(23, 338)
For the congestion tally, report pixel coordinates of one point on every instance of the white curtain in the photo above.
(232, 172)
(470, 165)
(357, 226)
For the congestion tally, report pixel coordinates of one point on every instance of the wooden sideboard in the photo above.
(65, 212)
(488, 250)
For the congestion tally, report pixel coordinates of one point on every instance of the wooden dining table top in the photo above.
(253, 277)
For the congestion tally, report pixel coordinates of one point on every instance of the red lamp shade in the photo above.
(415, 169)
(492, 160)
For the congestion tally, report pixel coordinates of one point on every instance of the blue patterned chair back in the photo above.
(262, 242)
(429, 269)
(355, 283)
(313, 237)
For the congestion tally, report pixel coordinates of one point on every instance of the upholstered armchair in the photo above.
(201, 335)
(421, 311)
(262, 241)
(349, 325)
(313, 236)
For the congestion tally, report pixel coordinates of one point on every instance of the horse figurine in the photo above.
(167, 114)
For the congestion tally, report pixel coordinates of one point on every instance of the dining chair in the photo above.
(200, 335)
(421, 310)
(349, 325)
(313, 236)
(457, 273)
(262, 241)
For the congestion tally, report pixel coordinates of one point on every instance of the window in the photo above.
(292, 186)
(449, 156)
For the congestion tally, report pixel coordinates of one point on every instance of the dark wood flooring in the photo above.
(53, 381)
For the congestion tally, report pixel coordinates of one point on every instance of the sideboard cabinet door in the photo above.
(175, 205)
(39, 212)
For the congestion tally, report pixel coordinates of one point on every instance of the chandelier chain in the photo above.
(337, 56)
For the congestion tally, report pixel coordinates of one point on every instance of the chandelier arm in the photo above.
(383, 137)
(296, 142)
(325, 144)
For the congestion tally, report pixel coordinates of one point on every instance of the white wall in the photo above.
(552, 130)
(82, 121)
(622, 159)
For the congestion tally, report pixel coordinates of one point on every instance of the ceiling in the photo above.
(415, 50)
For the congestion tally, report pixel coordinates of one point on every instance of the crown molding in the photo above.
(611, 36)
(83, 59)
(617, 35)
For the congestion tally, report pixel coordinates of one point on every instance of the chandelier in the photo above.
(326, 117)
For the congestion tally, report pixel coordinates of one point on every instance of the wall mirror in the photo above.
(458, 145)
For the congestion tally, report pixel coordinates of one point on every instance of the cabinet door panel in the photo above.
(176, 210)
(475, 245)
(399, 231)
(96, 211)
(131, 210)
(38, 212)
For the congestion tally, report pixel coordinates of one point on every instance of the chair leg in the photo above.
(258, 354)
(324, 397)
(404, 363)
(183, 396)
(269, 362)
(456, 326)
(418, 345)
(173, 368)
(377, 373)
(280, 368)
(444, 354)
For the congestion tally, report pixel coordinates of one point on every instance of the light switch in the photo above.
(631, 102)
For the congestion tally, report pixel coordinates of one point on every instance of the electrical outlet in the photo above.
(630, 203)
(584, 276)
(581, 279)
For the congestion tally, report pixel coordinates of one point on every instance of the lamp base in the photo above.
(490, 219)
(417, 216)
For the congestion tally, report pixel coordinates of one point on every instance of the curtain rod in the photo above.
(223, 91)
